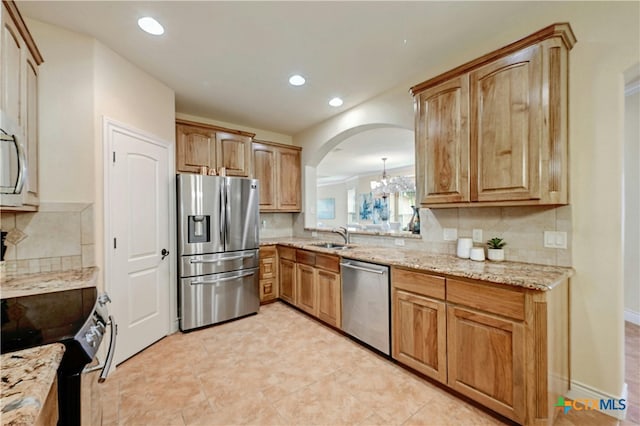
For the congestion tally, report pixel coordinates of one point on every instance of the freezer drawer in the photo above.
(210, 299)
(205, 264)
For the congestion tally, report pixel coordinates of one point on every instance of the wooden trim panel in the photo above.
(13, 11)
(287, 253)
(214, 127)
(305, 257)
(562, 30)
(277, 144)
(328, 262)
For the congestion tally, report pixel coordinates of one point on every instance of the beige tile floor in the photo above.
(279, 368)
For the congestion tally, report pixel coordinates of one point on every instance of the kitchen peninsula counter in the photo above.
(28, 394)
(48, 282)
(519, 274)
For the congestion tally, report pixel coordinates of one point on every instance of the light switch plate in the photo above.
(314, 234)
(555, 239)
(477, 236)
(398, 242)
(450, 234)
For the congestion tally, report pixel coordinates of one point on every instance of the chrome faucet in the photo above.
(343, 232)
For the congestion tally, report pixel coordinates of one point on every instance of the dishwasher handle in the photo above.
(360, 268)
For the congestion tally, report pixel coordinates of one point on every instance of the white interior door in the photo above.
(139, 278)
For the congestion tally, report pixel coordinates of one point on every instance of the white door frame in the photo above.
(109, 126)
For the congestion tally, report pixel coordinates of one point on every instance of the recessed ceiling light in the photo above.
(150, 25)
(335, 102)
(296, 80)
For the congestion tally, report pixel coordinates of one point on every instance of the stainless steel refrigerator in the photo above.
(217, 249)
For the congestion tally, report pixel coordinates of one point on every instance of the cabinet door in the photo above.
(486, 360)
(442, 143)
(506, 128)
(419, 333)
(329, 294)
(289, 189)
(264, 166)
(287, 278)
(306, 294)
(11, 87)
(31, 130)
(195, 147)
(234, 153)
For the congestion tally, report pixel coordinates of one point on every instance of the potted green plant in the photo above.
(495, 251)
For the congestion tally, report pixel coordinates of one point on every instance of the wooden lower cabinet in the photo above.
(486, 360)
(419, 333)
(505, 347)
(268, 274)
(329, 297)
(306, 294)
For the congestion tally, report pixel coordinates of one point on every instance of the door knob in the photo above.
(164, 253)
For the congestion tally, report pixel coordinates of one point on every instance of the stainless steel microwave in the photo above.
(13, 168)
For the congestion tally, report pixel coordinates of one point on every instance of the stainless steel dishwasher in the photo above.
(365, 303)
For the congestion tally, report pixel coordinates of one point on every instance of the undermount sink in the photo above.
(337, 246)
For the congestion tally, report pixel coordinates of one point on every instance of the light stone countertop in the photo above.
(27, 377)
(48, 282)
(519, 274)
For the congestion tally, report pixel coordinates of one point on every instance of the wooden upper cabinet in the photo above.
(264, 166)
(195, 147)
(19, 62)
(278, 169)
(233, 152)
(494, 130)
(442, 147)
(506, 127)
(199, 144)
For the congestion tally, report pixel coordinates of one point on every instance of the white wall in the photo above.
(66, 127)
(608, 43)
(632, 202)
(80, 82)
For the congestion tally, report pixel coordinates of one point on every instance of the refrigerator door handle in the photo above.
(223, 259)
(219, 280)
(223, 219)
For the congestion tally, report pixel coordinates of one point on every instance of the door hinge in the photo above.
(114, 156)
(114, 243)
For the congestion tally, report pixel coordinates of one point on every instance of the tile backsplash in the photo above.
(58, 237)
(521, 227)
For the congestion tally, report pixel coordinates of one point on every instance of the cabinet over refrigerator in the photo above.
(217, 249)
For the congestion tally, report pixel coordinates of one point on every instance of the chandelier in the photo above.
(392, 185)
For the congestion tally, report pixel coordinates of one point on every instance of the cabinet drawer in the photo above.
(418, 282)
(287, 253)
(327, 262)
(267, 251)
(487, 297)
(267, 267)
(306, 257)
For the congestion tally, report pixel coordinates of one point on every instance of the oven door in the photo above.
(93, 374)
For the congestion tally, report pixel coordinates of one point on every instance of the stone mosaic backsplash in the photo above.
(58, 237)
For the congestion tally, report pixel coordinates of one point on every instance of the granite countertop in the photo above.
(48, 282)
(27, 377)
(519, 274)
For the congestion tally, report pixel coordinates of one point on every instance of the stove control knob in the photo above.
(103, 299)
(91, 339)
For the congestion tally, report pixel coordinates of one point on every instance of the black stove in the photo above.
(77, 318)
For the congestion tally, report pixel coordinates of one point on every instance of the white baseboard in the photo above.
(632, 316)
(581, 391)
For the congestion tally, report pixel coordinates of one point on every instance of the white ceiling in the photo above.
(230, 61)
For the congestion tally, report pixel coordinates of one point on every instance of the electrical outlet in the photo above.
(450, 234)
(555, 239)
(398, 242)
(477, 236)
(314, 234)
